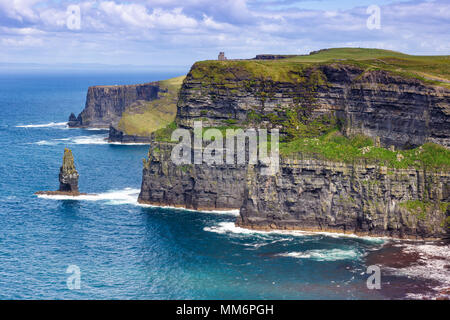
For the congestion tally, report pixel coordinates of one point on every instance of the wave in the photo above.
(126, 196)
(324, 254)
(113, 197)
(230, 227)
(45, 125)
(93, 139)
(433, 263)
(234, 212)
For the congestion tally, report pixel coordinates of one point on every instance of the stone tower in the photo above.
(222, 56)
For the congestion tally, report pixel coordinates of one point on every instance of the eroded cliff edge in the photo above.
(131, 112)
(105, 104)
(365, 147)
(361, 198)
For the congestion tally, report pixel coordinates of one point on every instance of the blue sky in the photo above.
(177, 33)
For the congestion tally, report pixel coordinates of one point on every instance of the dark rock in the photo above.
(200, 187)
(115, 135)
(400, 111)
(357, 198)
(68, 178)
(273, 56)
(73, 121)
(68, 175)
(105, 104)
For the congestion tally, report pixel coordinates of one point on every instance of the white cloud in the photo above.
(137, 15)
(19, 9)
(171, 30)
(26, 41)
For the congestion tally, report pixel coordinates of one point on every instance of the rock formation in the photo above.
(198, 187)
(105, 104)
(361, 198)
(131, 112)
(117, 135)
(313, 193)
(68, 178)
(68, 175)
(400, 111)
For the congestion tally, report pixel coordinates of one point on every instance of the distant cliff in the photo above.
(131, 112)
(105, 104)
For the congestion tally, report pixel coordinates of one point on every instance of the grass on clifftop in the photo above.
(429, 69)
(144, 117)
(335, 147)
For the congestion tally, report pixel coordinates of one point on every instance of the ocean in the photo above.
(127, 251)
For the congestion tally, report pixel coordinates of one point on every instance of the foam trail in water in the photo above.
(93, 139)
(323, 255)
(433, 264)
(45, 125)
(233, 212)
(230, 227)
(125, 196)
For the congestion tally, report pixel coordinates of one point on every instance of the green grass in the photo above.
(335, 147)
(165, 134)
(144, 117)
(421, 208)
(429, 69)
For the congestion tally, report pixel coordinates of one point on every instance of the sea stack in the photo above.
(68, 178)
(68, 175)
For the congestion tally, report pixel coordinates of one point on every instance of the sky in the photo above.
(178, 33)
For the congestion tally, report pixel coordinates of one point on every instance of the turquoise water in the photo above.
(126, 251)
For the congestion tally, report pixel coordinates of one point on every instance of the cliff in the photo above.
(364, 143)
(308, 193)
(360, 198)
(198, 187)
(131, 112)
(400, 111)
(105, 104)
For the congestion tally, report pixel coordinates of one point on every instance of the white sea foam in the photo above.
(92, 139)
(233, 212)
(323, 255)
(45, 125)
(126, 196)
(432, 263)
(93, 129)
(128, 143)
(230, 227)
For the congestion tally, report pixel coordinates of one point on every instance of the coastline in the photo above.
(273, 227)
(182, 207)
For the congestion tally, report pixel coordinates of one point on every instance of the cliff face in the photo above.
(105, 104)
(306, 194)
(116, 135)
(310, 193)
(400, 111)
(199, 187)
(360, 198)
